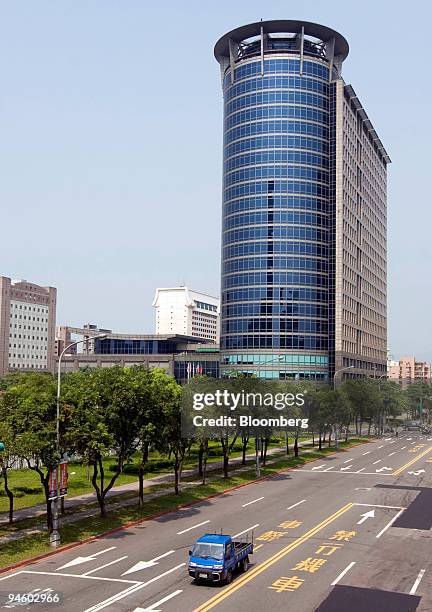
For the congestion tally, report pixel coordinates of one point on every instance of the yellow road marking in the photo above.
(410, 463)
(214, 601)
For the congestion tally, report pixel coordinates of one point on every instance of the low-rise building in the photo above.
(408, 370)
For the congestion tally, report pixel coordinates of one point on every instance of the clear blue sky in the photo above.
(110, 147)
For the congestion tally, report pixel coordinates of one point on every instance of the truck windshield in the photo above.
(208, 551)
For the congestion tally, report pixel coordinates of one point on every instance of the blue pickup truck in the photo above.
(215, 557)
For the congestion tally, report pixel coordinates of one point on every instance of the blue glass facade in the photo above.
(275, 228)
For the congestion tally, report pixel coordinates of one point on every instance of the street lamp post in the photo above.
(334, 387)
(55, 534)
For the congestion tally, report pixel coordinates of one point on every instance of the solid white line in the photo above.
(297, 504)
(328, 469)
(348, 460)
(102, 566)
(392, 454)
(303, 471)
(378, 461)
(390, 523)
(244, 531)
(11, 575)
(342, 574)
(253, 502)
(368, 452)
(380, 506)
(161, 601)
(130, 590)
(193, 527)
(417, 582)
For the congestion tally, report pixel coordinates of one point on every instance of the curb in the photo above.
(130, 524)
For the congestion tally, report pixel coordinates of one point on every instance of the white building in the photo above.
(180, 310)
(27, 326)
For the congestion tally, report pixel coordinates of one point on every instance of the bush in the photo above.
(28, 490)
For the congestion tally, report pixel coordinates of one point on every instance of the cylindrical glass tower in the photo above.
(277, 205)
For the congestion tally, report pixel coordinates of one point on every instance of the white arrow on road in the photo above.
(79, 560)
(383, 469)
(317, 467)
(152, 608)
(145, 564)
(345, 468)
(416, 473)
(365, 516)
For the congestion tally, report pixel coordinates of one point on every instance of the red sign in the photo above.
(63, 478)
(52, 484)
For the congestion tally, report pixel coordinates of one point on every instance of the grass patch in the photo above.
(80, 530)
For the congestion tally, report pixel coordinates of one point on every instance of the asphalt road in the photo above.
(349, 533)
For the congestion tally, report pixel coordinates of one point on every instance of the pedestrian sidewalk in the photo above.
(88, 498)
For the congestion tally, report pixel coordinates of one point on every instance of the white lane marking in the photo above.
(378, 461)
(345, 468)
(403, 447)
(414, 442)
(145, 564)
(317, 467)
(106, 565)
(429, 439)
(253, 501)
(362, 489)
(394, 453)
(193, 527)
(79, 560)
(80, 576)
(297, 504)
(328, 469)
(394, 442)
(130, 590)
(367, 453)
(382, 446)
(348, 460)
(153, 607)
(417, 581)
(342, 574)
(245, 530)
(409, 438)
(390, 523)
(380, 506)
(365, 516)
(303, 471)
(11, 575)
(358, 471)
(383, 469)
(387, 439)
(417, 473)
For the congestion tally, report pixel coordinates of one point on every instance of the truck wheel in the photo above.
(245, 564)
(229, 577)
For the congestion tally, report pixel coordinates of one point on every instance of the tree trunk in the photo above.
(266, 441)
(329, 438)
(200, 459)
(296, 450)
(369, 427)
(287, 443)
(177, 476)
(143, 464)
(319, 442)
(9, 494)
(245, 440)
(313, 438)
(225, 464)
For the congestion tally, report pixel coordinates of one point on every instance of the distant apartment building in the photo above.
(407, 370)
(63, 339)
(180, 310)
(27, 326)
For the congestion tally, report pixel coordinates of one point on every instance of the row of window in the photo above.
(205, 306)
(274, 157)
(276, 202)
(279, 65)
(30, 308)
(284, 342)
(275, 172)
(259, 98)
(291, 187)
(287, 359)
(279, 141)
(266, 278)
(282, 126)
(275, 216)
(274, 112)
(289, 294)
(286, 232)
(274, 325)
(276, 82)
(246, 310)
(275, 263)
(270, 248)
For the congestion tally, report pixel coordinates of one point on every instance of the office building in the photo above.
(408, 370)
(27, 326)
(304, 209)
(180, 310)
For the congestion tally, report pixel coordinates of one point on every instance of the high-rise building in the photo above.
(27, 326)
(180, 310)
(304, 209)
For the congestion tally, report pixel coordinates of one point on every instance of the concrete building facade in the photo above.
(180, 310)
(304, 209)
(27, 326)
(408, 370)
